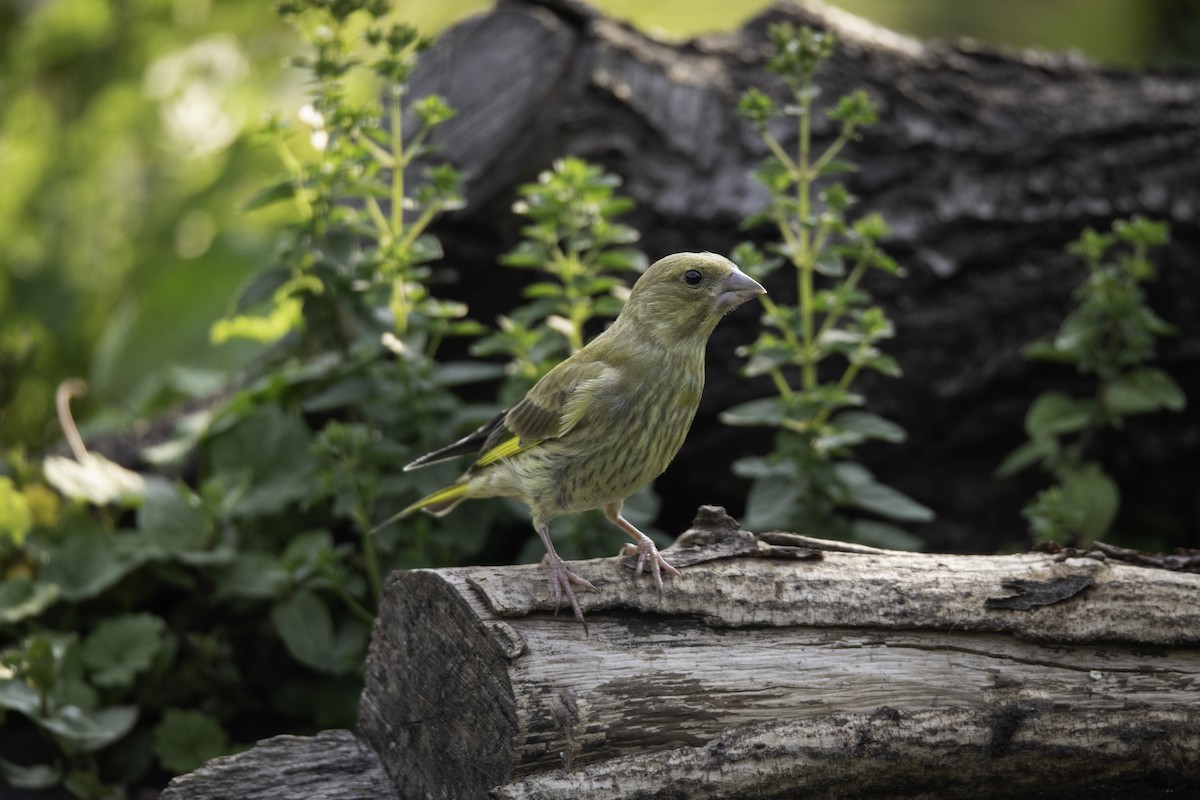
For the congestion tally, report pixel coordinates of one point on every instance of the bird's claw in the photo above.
(563, 582)
(647, 553)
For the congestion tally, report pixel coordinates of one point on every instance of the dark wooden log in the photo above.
(764, 673)
(986, 163)
(333, 765)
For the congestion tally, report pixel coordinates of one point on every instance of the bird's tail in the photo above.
(440, 503)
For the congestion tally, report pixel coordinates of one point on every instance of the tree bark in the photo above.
(767, 672)
(985, 164)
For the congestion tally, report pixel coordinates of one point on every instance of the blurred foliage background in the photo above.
(132, 136)
(127, 146)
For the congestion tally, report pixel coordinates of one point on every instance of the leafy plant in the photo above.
(147, 624)
(572, 238)
(1110, 335)
(813, 351)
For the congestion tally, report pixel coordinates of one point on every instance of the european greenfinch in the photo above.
(607, 420)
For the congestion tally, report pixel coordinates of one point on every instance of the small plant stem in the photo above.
(398, 163)
(773, 311)
(847, 378)
(779, 153)
(355, 607)
(832, 317)
(829, 154)
(419, 225)
(803, 257)
(381, 222)
(435, 341)
(569, 270)
(781, 384)
(396, 234)
(75, 387)
(371, 557)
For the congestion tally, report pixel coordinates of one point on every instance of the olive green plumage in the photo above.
(608, 420)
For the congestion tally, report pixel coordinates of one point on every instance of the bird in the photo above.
(605, 421)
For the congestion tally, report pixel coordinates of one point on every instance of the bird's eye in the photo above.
(692, 277)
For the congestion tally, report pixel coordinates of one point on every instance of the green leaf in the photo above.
(271, 195)
(761, 467)
(263, 287)
(90, 730)
(838, 166)
(16, 517)
(830, 264)
(528, 255)
(543, 289)
(623, 259)
(1027, 455)
(1143, 391)
(879, 362)
(1091, 245)
(772, 504)
(766, 354)
(121, 647)
(350, 392)
(186, 738)
(1074, 337)
(872, 426)
(1047, 351)
(305, 625)
(17, 695)
(306, 552)
(87, 563)
(457, 373)
(768, 411)
(1054, 413)
(865, 492)
(36, 776)
(22, 598)
(1094, 496)
(271, 448)
(172, 521)
(257, 576)
(773, 175)
(1142, 231)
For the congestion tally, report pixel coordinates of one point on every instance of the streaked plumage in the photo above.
(608, 420)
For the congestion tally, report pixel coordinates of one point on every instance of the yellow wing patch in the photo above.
(509, 447)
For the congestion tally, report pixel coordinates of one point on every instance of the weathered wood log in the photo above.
(333, 765)
(764, 672)
(985, 163)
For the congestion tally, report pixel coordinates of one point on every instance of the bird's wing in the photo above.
(549, 410)
(471, 444)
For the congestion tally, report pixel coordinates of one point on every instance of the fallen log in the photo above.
(333, 765)
(766, 672)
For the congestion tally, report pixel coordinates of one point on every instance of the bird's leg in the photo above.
(647, 553)
(561, 578)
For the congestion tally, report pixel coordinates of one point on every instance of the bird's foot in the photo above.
(563, 583)
(647, 553)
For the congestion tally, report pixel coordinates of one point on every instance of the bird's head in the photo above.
(685, 295)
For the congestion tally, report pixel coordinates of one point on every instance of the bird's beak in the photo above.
(737, 289)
